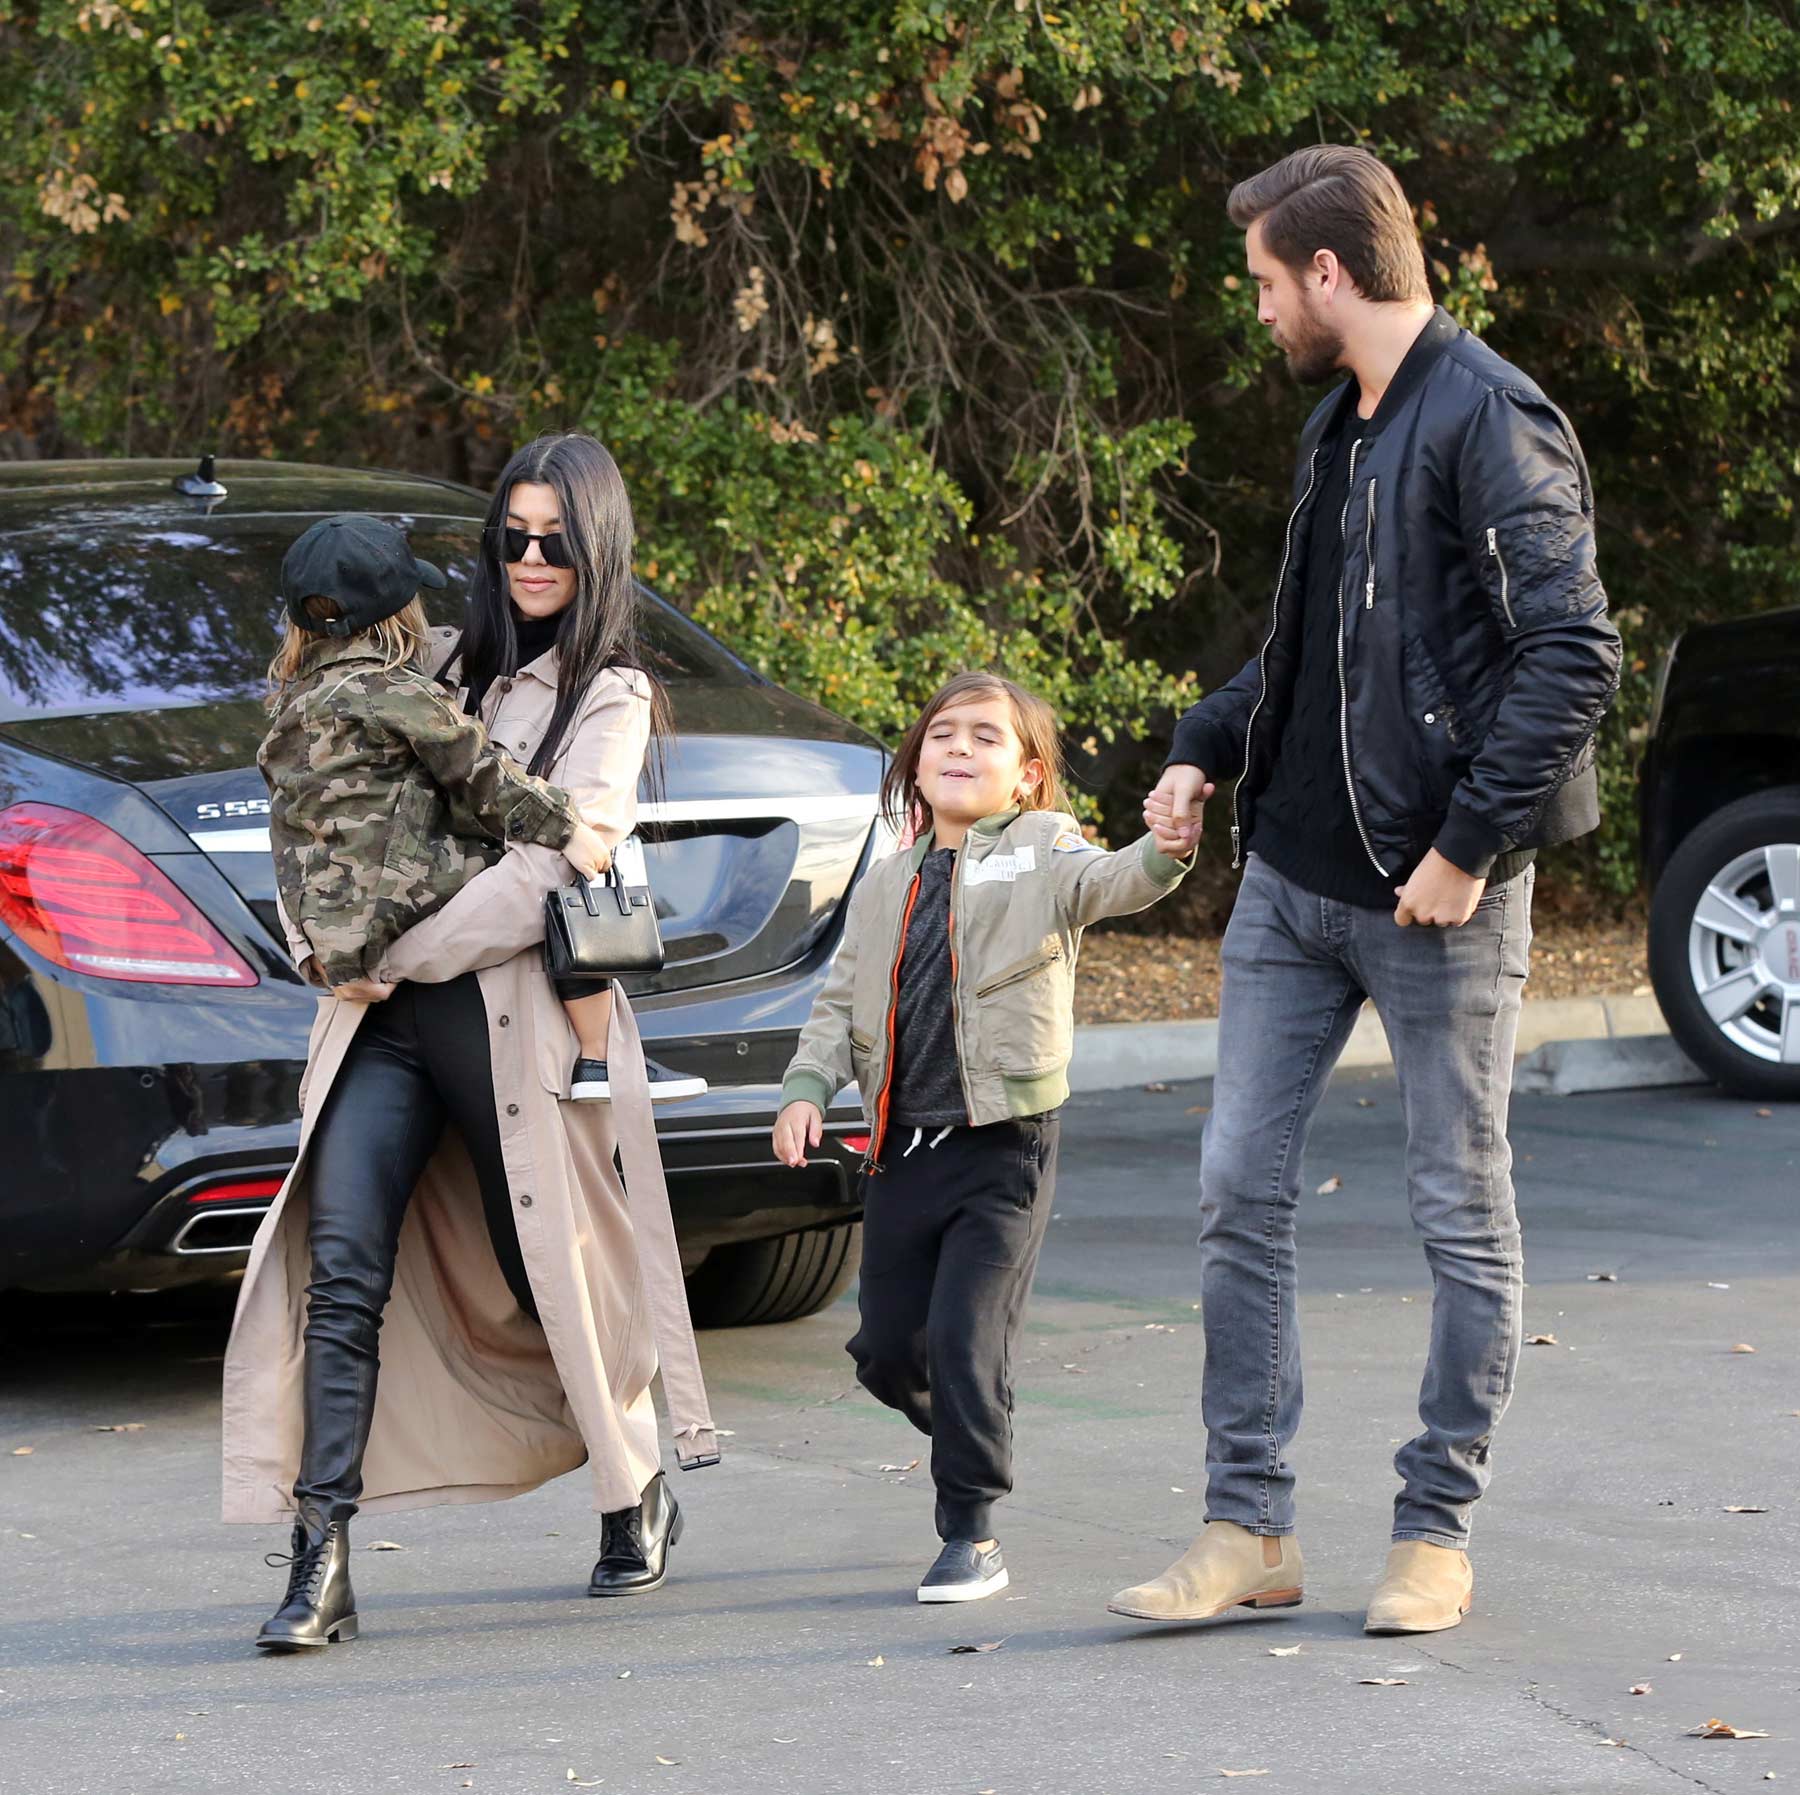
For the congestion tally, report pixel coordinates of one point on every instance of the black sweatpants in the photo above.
(418, 1061)
(950, 1242)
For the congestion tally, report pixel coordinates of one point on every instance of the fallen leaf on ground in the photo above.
(1603, 1277)
(781, 1741)
(1156, 1084)
(23, 1451)
(121, 1427)
(460, 1764)
(1334, 1182)
(623, 1675)
(1243, 1773)
(1638, 1689)
(1365, 1103)
(1198, 1109)
(1711, 1286)
(1382, 1682)
(1674, 1657)
(1723, 1729)
(1743, 1346)
(1765, 1113)
(912, 1464)
(671, 1762)
(594, 1783)
(1618, 1742)
(875, 1663)
(991, 1645)
(1745, 1508)
(1175, 1489)
(384, 1545)
(1284, 1651)
(1079, 1370)
(1542, 1340)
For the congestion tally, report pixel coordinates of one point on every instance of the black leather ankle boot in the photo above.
(320, 1608)
(635, 1542)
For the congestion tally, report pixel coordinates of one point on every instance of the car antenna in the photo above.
(201, 486)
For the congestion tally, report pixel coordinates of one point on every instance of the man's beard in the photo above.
(1315, 352)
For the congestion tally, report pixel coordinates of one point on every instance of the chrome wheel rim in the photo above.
(1744, 952)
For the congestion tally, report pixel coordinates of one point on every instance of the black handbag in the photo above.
(596, 930)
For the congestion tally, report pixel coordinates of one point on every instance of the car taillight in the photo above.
(242, 1190)
(81, 895)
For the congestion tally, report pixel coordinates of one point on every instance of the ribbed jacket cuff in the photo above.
(1203, 744)
(1162, 868)
(805, 1086)
(1469, 842)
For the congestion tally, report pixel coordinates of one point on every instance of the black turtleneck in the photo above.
(536, 636)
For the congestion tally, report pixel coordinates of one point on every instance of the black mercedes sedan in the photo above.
(152, 1028)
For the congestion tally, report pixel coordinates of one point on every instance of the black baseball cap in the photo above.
(363, 564)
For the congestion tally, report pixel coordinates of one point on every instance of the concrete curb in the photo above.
(1565, 1045)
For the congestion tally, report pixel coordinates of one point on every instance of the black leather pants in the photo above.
(419, 1060)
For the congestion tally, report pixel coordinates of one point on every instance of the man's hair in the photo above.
(1338, 197)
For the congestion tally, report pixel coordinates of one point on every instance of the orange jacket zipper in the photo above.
(873, 1162)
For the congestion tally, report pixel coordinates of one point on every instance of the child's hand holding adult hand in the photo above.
(798, 1127)
(587, 852)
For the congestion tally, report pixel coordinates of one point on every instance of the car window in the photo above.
(189, 614)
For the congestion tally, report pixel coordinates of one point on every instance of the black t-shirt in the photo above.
(1304, 825)
(927, 1090)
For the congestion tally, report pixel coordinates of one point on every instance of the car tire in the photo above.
(756, 1282)
(1734, 871)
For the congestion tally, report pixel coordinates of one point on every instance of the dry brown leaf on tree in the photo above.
(1723, 1729)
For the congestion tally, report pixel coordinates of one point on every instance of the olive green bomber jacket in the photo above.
(1026, 884)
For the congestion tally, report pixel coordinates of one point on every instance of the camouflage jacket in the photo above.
(384, 799)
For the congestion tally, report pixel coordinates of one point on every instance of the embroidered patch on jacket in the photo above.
(1003, 868)
(1068, 842)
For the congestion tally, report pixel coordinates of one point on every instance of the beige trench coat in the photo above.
(476, 1400)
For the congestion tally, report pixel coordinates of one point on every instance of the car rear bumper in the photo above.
(134, 1176)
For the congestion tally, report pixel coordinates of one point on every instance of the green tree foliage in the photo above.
(917, 328)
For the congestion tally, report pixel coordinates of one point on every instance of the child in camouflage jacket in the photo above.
(384, 798)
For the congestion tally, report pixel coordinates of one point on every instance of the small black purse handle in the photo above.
(608, 881)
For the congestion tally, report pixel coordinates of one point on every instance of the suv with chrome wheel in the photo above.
(1720, 812)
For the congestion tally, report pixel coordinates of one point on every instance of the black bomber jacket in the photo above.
(1475, 655)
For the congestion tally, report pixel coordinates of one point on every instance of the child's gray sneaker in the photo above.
(964, 1572)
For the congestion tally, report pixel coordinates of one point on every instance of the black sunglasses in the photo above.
(554, 547)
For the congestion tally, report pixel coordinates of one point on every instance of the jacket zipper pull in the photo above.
(1369, 592)
(1236, 838)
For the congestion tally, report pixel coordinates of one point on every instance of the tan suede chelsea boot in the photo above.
(1226, 1567)
(1425, 1589)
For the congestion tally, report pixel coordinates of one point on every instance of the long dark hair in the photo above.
(599, 628)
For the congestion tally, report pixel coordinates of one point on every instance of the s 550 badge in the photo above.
(213, 813)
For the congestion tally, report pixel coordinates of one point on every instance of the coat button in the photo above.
(525, 1200)
(1431, 716)
(512, 1109)
(506, 1022)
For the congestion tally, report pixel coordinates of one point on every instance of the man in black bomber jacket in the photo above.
(1418, 722)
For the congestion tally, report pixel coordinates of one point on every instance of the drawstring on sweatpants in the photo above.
(919, 1135)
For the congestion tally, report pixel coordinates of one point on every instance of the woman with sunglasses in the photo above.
(522, 1307)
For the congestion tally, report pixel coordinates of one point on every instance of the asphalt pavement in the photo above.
(787, 1653)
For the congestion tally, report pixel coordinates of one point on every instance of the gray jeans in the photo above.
(1297, 970)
